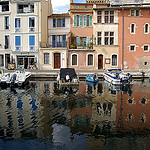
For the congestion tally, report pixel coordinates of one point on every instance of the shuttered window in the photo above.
(74, 59)
(90, 59)
(114, 60)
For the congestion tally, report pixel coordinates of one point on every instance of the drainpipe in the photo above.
(122, 65)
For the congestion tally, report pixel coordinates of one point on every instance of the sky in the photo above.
(62, 6)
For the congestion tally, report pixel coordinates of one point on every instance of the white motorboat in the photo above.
(117, 77)
(67, 76)
(19, 78)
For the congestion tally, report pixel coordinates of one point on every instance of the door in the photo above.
(100, 61)
(25, 63)
(57, 60)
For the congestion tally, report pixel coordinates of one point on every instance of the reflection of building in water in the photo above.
(80, 113)
(18, 113)
(133, 110)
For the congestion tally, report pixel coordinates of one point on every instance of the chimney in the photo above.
(71, 1)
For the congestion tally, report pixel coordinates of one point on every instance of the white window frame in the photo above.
(8, 22)
(34, 25)
(19, 29)
(87, 59)
(28, 42)
(145, 45)
(134, 47)
(148, 28)
(44, 58)
(135, 12)
(20, 43)
(71, 59)
(117, 60)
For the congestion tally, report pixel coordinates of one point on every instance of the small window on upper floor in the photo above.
(78, 6)
(146, 48)
(85, 6)
(132, 47)
(135, 12)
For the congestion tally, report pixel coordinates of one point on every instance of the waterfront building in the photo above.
(105, 31)
(81, 52)
(53, 54)
(23, 26)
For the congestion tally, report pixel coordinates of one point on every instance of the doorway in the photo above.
(100, 61)
(57, 63)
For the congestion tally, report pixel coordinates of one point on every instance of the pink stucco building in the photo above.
(134, 37)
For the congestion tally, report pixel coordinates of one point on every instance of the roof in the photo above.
(59, 15)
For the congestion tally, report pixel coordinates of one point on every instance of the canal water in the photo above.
(45, 116)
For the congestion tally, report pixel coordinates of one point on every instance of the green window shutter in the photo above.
(80, 20)
(85, 20)
(90, 20)
(75, 20)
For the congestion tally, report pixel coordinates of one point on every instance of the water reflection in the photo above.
(78, 117)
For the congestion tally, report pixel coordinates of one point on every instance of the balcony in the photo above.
(31, 29)
(32, 47)
(81, 46)
(53, 44)
(17, 30)
(18, 48)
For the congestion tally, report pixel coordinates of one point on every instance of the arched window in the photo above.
(90, 59)
(114, 60)
(146, 28)
(74, 59)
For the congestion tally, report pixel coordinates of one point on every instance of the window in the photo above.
(84, 42)
(109, 38)
(74, 60)
(132, 47)
(146, 28)
(78, 20)
(59, 22)
(132, 28)
(99, 38)
(146, 48)
(135, 12)
(6, 20)
(99, 16)
(109, 17)
(114, 60)
(6, 41)
(31, 42)
(46, 58)
(18, 42)
(90, 59)
(78, 6)
(25, 8)
(17, 24)
(85, 6)
(59, 41)
(32, 24)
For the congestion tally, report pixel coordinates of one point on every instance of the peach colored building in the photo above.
(81, 53)
(134, 40)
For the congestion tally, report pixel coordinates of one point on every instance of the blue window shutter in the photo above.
(17, 40)
(29, 22)
(59, 22)
(75, 20)
(64, 40)
(85, 20)
(54, 23)
(80, 20)
(63, 22)
(32, 40)
(78, 41)
(15, 22)
(90, 20)
(53, 40)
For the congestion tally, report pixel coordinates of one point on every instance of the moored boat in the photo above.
(19, 78)
(67, 76)
(92, 78)
(117, 77)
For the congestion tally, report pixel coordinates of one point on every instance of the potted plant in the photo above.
(72, 46)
